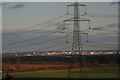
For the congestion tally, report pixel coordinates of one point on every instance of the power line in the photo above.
(48, 8)
(45, 48)
(103, 43)
(106, 31)
(15, 43)
(41, 42)
(98, 45)
(25, 29)
(58, 49)
(101, 15)
(50, 46)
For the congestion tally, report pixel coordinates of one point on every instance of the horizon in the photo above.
(65, 51)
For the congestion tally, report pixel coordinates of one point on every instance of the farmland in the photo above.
(98, 66)
(99, 72)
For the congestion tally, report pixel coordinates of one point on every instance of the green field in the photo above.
(106, 72)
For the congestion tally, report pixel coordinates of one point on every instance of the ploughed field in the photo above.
(32, 67)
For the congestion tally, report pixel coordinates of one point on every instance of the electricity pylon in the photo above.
(77, 43)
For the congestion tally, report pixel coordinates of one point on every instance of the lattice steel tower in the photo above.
(77, 42)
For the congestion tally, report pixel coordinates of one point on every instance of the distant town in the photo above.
(54, 53)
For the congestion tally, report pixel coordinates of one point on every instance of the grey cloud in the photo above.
(107, 26)
(98, 28)
(63, 32)
(12, 6)
(62, 26)
(2, 4)
(21, 5)
(112, 25)
(114, 2)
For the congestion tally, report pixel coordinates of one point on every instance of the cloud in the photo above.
(21, 5)
(107, 26)
(98, 28)
(2, 3)
(112, 25)
(12, 5)
(62, 26)
(114, 2)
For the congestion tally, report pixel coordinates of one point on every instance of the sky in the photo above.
(37, 26)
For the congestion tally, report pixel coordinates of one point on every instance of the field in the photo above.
(99, 66)
(99, 72)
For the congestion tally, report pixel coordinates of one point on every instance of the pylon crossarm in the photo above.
(76, 4)
(84, 33)
(68, 19)
(75, 20)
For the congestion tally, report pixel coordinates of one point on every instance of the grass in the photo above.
(106, 72)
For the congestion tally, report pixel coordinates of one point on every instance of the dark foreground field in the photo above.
(99, 72)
